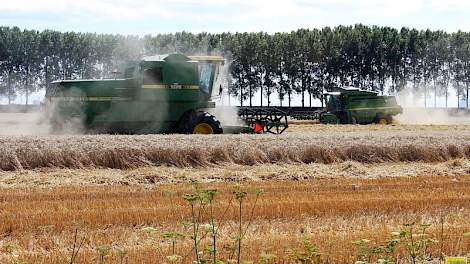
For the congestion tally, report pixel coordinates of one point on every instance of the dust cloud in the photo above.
(227, 115)
(37, 121)
(414, 114)
(24, 124)
(433, 116)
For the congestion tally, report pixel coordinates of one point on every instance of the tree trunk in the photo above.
(310, 98)
(251, 94)
(261, 88)
(303, 97)
(26, 90)
(288, 97)
(458, 95)
(261, 94)
(435, 94)
(289, 92)
(322, 97)
(425, 95)
(467, 93)
(9, 87)
(447, 96)
(394, 84)
(269, 95)
(241, 95)
(27, 85)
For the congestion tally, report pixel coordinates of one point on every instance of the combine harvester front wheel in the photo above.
(200, 123)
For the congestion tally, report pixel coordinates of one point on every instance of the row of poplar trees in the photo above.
(277, 66)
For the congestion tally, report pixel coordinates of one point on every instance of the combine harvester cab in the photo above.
(160, 94)
(355, 106)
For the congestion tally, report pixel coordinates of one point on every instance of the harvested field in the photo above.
(151, 176)
(331, 212)
(331, 184)
(326, 144)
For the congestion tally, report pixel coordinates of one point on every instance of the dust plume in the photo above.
(227, 115)
(433, 116)
(40, 119)
(23, 124)
(414, 113)
(36, 121)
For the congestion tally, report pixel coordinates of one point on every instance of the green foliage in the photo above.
(203, 226)
(122, 255)
(266, 258)
(309, 255)
(366, 251)
(303, 62)
(416, 241)
(9, 248)
(104, 252)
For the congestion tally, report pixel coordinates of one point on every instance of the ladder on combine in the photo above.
(265, 119)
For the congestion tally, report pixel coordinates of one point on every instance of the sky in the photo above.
(141, 17)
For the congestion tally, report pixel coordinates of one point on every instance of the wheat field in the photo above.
(333, 185)
(326, 144)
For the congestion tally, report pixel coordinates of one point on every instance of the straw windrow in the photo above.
(125, 152)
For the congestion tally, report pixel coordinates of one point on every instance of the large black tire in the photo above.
(383, 119)
(353, 120)
(329, 118)
(199, 123)
(389, 119)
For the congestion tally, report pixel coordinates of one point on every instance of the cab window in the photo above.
(152, 76)
(205, 77)
(333, 103)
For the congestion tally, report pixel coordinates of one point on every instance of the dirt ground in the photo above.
(331, 204)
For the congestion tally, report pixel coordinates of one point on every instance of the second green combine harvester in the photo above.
(355, 106)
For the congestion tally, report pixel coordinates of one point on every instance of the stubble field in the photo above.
(347, 189)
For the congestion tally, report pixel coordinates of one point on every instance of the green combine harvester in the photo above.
(160, 94)
(355, 106)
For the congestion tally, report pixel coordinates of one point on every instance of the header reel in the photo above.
(264, 119)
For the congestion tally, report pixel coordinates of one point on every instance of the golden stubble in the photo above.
(332, 212)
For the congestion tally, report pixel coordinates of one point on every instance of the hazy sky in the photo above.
(159, 16)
